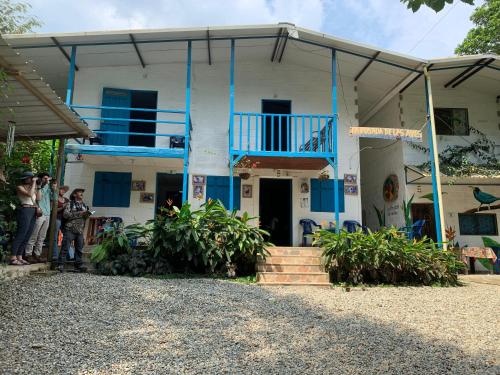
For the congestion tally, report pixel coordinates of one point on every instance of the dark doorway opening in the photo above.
(425, 211)
(168, 187)
(143, 99)
(275, 207)
(271, 132)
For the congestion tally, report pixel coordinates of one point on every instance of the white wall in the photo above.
(482, 110)
(379, 159)
(308, 90)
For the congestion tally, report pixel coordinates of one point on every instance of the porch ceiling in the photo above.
(295, 163)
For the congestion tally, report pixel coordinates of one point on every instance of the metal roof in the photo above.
(30, 103)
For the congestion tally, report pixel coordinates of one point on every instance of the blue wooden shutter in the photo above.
(218, 188)
(112, 189)
(322, 197)
(115, 98)
(315, 195)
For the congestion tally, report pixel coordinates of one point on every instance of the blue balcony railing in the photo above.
(267, 134)
(142, 127)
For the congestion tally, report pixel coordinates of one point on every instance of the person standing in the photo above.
(26, 217)
(75, 215)
(35, 243)
(62, 202)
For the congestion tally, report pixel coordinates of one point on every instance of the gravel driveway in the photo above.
(85, 324)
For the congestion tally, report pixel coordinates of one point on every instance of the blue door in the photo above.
(116, 98)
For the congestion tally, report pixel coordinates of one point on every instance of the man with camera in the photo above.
(75, 215)
(35, 243)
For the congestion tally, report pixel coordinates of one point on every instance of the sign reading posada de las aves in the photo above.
(387, 133)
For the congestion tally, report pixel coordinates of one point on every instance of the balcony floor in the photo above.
(280, 162)
(132, 151)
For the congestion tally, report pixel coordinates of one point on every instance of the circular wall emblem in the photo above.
(391, 188)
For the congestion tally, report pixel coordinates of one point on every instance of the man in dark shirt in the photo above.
(75, 215)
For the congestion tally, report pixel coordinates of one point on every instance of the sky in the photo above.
(382, 23)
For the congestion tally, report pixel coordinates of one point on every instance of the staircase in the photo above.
(292, 266)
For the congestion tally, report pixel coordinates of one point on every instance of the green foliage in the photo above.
(436, 5)
(207, 240)
(477, 158)
(11, 168)
(114, 242)
(380, 216)
(407, 211)
(14, 18)
(485, 36)
(386, 256)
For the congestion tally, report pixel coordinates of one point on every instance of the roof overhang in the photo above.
(30, 105)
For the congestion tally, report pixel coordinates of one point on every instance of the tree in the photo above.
(436, 5)
(485, 36)
(14, 18)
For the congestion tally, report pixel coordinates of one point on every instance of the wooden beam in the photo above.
(208, 48)
(464, 72)
(480, 67)
(366, 66)
(132, 39)
(365, 117)
(53, 213)
(63, 51)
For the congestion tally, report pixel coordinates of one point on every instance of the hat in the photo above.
(26, 174)
(65, 188)
(76, 191)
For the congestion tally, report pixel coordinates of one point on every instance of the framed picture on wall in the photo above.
(351, 189)
(350, 179)
(138, 185)
(246, 191)
(147, 197)
(198, 191)
(198, 180)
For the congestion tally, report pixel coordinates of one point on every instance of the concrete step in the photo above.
(291, 259)
(323, 285)
(283, 267)
(293, 277)
(294, 251)
(12, 272)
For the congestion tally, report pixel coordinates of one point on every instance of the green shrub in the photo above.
(114, 242)
(386, 256)
(207, 240)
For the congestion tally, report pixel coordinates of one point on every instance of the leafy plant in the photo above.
(206, 240)
(380, 216)
(114, 243)
(407, 211)
(436, 5)
(386, 256)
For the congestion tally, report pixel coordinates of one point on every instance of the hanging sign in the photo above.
(387, 133)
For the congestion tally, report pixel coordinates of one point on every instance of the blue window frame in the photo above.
(322, 197)
(112, 189)
(218, 188)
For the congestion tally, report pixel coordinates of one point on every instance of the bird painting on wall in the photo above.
(484, 198)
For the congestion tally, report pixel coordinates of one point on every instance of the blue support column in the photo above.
(433, 153)
(71, 77)
(69, 99)
(231, 123)
(187, 125)
(335, 140)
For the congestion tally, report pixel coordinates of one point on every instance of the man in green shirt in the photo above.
(35, 244)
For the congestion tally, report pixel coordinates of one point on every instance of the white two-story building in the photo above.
(257, 116)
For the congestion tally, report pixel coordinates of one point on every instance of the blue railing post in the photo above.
(335, 140)
(187, 125)
(231, 115)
